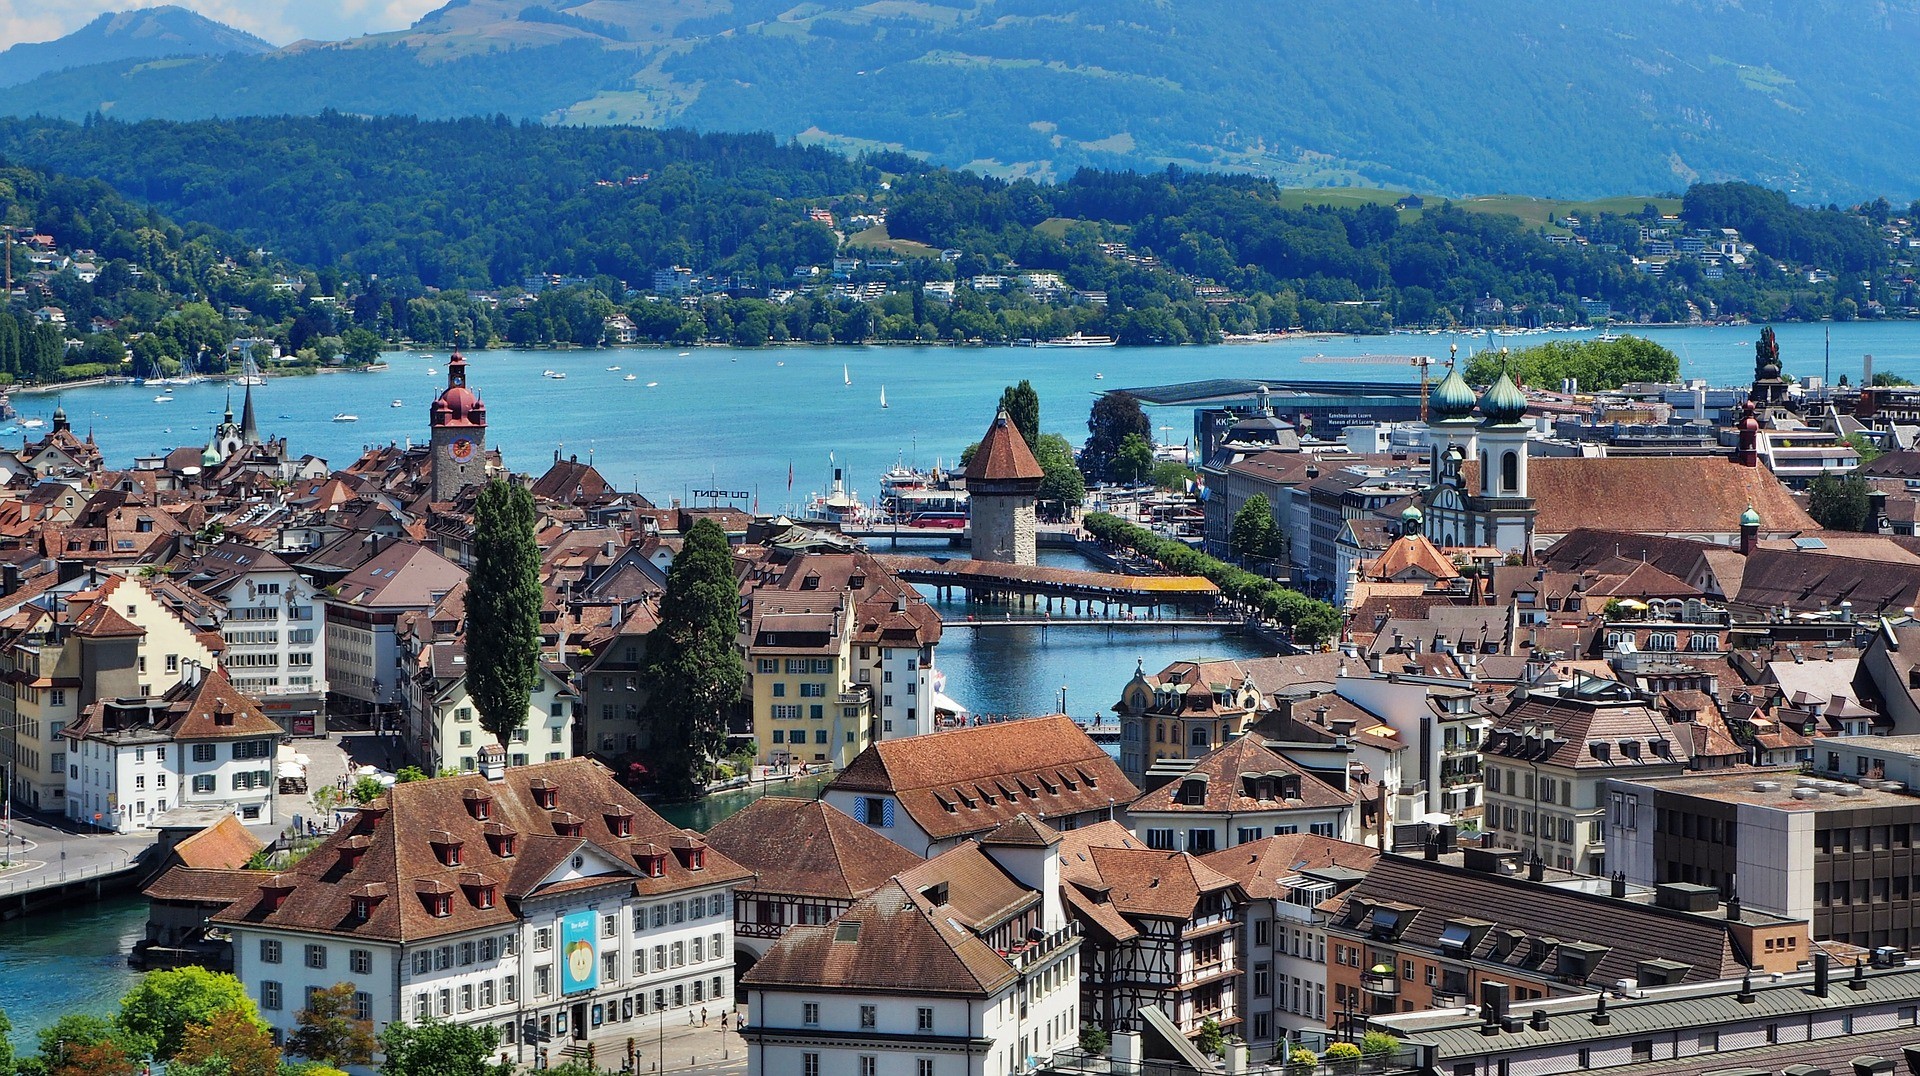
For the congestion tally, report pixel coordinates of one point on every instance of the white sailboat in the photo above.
(883, 396)
(847, 376)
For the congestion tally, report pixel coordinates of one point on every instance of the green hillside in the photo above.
(1577, 99)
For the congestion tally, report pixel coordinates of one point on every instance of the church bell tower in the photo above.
(459, 442)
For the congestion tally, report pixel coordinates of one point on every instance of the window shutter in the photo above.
(886, 813)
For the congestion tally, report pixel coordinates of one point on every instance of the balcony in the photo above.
(1380, 981)
(1029, 953)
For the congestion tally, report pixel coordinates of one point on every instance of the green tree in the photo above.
(64, 1046)
(228, 1043)
(1093, 1040)
(1253, 538)
(503, 608)
(1597, 364)
(1135, 459)
(1023, 407)
(360, 346)
(438, 1048)
(1061, 479)
(1378, 1044)
(1114, 416)
(1840, 504)
(1171, 475)
(693, 673)
(7, 1063)
(327, 1030)
(1866, 448)
(163, 1004)
(366, 790)
(1885, 380)
(408, 774)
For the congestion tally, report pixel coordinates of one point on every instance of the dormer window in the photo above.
(652, 861)
(483, 896)
(546, 794)
(273, 892)
(436, 896)
(362, 909)
(691, 853)
(619, 822)
(567, 825)
(479, 804)
(500, 840)
(351, 850)
(446, 848)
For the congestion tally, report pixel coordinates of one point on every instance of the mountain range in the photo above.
(1577, 98)
(120, 37)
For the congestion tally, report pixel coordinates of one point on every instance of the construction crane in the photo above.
(1424, 362)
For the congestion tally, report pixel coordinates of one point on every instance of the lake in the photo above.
(742, 420)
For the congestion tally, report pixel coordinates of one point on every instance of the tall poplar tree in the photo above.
(1023, 407)
(503, 608)
(693, 672)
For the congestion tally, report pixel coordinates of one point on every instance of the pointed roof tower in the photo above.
(1003, 455)
(249, 429)
(460, 405)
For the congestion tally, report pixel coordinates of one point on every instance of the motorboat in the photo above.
(344, 417)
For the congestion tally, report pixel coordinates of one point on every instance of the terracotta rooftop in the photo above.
(807, 848)
(1003, 454)
(971, 780)
(1659, 495)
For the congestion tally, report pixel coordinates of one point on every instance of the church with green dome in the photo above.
(1477, 495)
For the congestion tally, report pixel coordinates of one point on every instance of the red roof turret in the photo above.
(458, 405)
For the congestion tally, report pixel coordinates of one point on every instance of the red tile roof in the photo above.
(807, 848)
(1003, 454)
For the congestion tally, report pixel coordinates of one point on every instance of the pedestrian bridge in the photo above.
(1069, 589)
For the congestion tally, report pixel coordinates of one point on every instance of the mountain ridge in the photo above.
(139, 34)
(1579, 99)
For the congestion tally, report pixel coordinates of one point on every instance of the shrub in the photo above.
(1302, 1062)
(1378, 1044)
(1342, 1056)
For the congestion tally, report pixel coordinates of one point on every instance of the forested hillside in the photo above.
(1579, 98)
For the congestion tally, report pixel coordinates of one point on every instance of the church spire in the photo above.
(249, 430)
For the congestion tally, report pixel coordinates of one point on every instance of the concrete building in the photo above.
(966, 965)
(1426, 933)
(132, 758)
(363, 656)
(1238, 794)
(274, 626)
(1838, 854)
(1548, 761)
(1002, 480)
(1283, 938)
(543, 899)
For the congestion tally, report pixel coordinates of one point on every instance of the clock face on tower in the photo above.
(461, 449)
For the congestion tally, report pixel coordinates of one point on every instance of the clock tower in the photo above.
(459, 444)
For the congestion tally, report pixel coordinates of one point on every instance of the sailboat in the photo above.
(249, 372)
(847, 376)
(883, 396)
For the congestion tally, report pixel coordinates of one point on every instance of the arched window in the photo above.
(1486, 472)
(1662, 640)
(1509, 472)
(1615, 638)
(1199, 737)
(1704, 641)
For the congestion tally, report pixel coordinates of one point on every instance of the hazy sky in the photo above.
(279, 21)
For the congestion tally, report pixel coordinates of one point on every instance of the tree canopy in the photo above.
(693, 672)
(327, 1029)
(440, 1048)
(1061, 480)
(1596, 364)
(1840, 504)
(1114, 416)
(1023, 407)
(1254, 538)
(164, 1004)
(503, 608)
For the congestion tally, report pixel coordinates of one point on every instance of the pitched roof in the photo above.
(1659, 495)
(1152, 884)
(1808, 581)
(1588, 736)
(971, 780)
(1221, 772)
(205, 886)
(1415, 554)
(1263, 867)
(807, 848)
(388, 855)
(1003, 454)
(890, 942)
(1626, 931)
(224, 845)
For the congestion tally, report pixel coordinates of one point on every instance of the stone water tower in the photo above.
(1002, 480)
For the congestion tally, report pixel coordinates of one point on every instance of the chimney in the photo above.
(1821, 972)
(1539, 1021)
(1859, 981)
(493, 762)
(1733, 908)
(1537, 869)
(1619, 887)
(1600, 1017)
